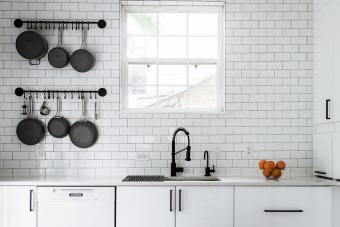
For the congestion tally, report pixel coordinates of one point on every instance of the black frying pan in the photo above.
(83, 133)
(82, 60)
(58, 56)
(58, 126)
(30, 131)
(31, 45)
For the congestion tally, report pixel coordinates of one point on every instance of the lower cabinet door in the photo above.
(17, 206)
(145, 206)
(283, 206)
(204, 206)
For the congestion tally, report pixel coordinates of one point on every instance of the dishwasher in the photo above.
(76, 206)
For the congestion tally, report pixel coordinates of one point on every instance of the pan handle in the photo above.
(83, 112)
(31, 106)
(34, 61)
(58, 106)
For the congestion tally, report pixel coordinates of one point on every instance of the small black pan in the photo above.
(58, 126)
(83, 133)
(31, 46)
(30, 131)
(58, 56)
(82, 60)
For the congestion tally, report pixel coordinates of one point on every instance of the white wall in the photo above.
(268, 78)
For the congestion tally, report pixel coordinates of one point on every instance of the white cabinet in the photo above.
(322, 154)
(145, 206)
(76, 206)
(336, 155)
(17, 206)
(204, 206)
(323, 64)
(157, 206)
(283, 206)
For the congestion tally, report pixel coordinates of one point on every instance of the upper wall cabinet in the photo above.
(323, 63)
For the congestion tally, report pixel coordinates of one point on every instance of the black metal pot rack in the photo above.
(51, 25)
(50, 93)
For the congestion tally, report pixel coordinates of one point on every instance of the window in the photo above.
(172, 59)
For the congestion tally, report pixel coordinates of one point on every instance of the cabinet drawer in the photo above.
(282, 206)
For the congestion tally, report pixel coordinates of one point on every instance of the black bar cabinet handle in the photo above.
(320, 172)
(180, 200)
(327, 109)
(283, 211)
(171, 200)
(31, 198)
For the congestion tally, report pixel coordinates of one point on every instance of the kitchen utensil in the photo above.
(44, 110)
(83, 133)
(58, 126)
(82, 60)
(32, 46)
(24, 108)
(58, 56)
(30, 131)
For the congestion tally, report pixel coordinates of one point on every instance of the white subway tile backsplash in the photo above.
(268, 94)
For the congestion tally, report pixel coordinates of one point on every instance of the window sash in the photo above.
(173, 61)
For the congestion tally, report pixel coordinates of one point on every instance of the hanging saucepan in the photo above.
(30, 131)
(58, 56)
(83, 133)
(32, 46)
(58, 126)
(82, 60)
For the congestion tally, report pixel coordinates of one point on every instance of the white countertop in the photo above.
(117, 181)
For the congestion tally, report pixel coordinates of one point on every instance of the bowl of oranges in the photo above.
(272, 170)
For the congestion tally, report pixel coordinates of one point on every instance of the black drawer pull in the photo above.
(283, 211)
(75, 194)
(320, 172)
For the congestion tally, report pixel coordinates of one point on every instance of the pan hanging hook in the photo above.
(90, 94)
(64, 94)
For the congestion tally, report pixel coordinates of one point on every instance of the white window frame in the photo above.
(220, 63)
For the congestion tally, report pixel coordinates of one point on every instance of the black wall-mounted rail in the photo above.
(20, 91)
(51, 24)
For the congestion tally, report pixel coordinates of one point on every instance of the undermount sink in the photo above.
(161, 178)
(191, 178)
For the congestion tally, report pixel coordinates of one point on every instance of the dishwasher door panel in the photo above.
(76, 207)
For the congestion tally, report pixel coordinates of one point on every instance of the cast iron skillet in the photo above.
(83, 133)
(31, 45)
(58, 126)
(58, 56)
(30, 131)
(82, 60)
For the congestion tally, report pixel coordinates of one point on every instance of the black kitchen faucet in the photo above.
(175, 169)
(207, 168)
